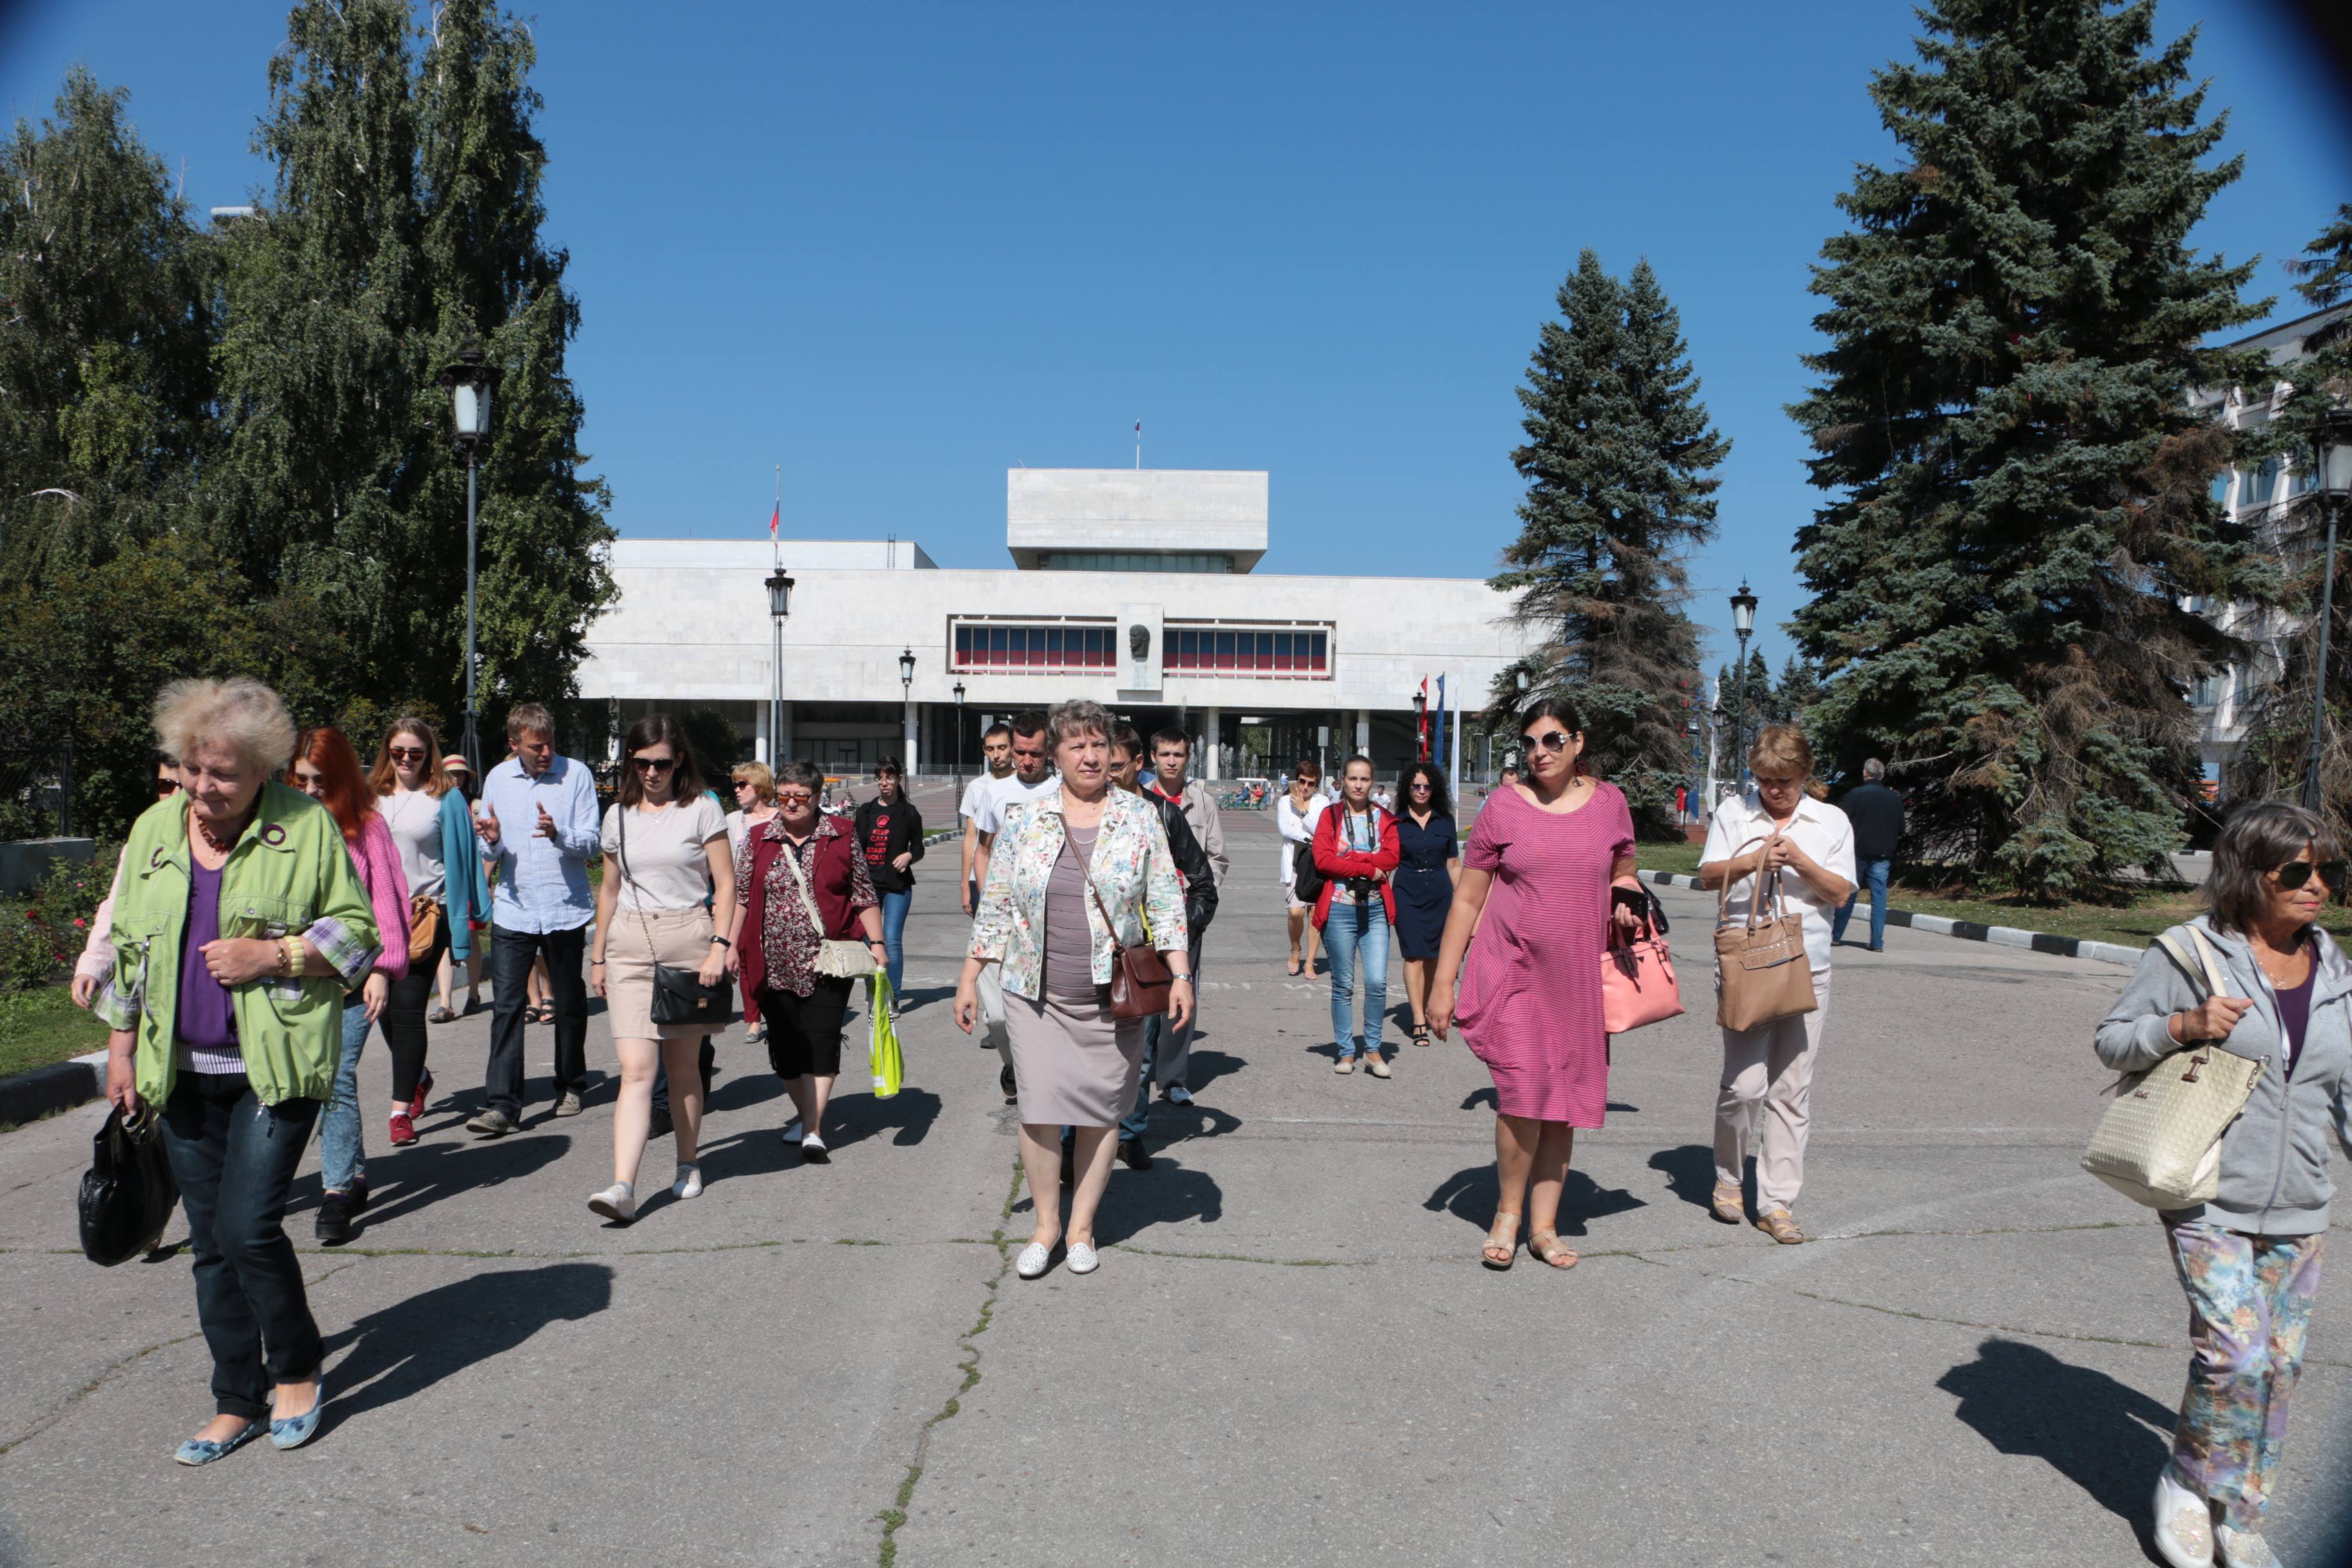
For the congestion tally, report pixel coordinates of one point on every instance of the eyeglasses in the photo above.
(407, 753)
(2296, 873)
(794, 797)
(1551, 741)
(1420, 786)
(164, 786)
(654, 764)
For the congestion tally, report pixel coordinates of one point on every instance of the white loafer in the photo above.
(616, 1203)
(2242, 1549)
(795, 1132)
(2184, 1524)
(688, 1184)
(1081, 1258)
(1033, 1261)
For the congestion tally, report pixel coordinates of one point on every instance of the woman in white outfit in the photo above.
(1294, 816)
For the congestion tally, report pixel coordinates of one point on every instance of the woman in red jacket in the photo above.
(1356, 849)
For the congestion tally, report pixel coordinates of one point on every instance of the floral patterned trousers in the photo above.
(2249, 1304)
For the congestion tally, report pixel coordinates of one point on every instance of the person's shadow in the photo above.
(1689, 1170)
(1168, 1194)
(403, 1181)
(1208, 1067)
(411, 1345)
(2106, 1437)
(1471, 1195)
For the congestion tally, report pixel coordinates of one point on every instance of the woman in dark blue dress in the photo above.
(1423, 881)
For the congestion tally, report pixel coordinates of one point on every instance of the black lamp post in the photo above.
(470, 383)
(2331, 469)
(1743, 621)
(907, 695)
(1421, 726)
(955, 782)
(779, 604)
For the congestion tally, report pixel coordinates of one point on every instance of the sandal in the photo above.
(1421, 1034)
(1504, 1238)
(1297, 966)
(1728, 1204)
(1546, 1245)
(440, 1016)
(1781, 1227)
(542, 1013)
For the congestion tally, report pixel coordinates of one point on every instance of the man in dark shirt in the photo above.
(1876, 813)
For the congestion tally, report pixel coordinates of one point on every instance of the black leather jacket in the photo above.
(1191, 864)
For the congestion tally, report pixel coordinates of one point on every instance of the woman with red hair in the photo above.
(326, 769)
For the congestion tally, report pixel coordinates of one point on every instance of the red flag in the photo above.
(775, 518)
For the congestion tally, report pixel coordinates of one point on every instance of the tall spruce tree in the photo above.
(2020, 486)
(1618, 464)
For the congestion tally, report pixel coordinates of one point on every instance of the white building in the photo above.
(1134, 587)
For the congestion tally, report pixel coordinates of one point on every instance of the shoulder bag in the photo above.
(1762, 974)
(128, 1192)
(679, 995)
(1306, 877)
(835, 960)
(1637, 974)
(2158, 1143)
(1140, 978)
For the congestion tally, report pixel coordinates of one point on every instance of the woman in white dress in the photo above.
(1294, 816)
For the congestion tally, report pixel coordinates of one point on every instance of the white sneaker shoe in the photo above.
(813, 1150)
(1033, 1259)
(688, 1184)
(1081, 1258)
(617, 1202)
(2184, 1524)
(2242, 1549)
(794, 1131)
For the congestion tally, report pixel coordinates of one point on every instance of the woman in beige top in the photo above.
(665, 865)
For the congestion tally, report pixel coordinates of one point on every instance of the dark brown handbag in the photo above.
(1140, 979)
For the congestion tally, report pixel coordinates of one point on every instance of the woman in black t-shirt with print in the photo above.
(890, 835)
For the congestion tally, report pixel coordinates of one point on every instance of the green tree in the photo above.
(2020, 486)
(1618, 463)
(1797, 690)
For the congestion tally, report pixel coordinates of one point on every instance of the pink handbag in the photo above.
(1637, 976)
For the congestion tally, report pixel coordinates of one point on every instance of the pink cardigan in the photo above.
(378, 860)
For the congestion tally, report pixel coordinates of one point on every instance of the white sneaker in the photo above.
(2242, 1549)
(1346, 1065)
(1033, 1259)
(813, 1150)
(1376, 1065)
(794, 1131)
(616, 1202)
(1081, 1258)
(2184, 1524)
(688, 1184)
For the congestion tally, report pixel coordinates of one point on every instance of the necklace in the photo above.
(220, 845)
(2279, 968)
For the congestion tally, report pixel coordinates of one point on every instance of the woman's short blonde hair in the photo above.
(1068, 721)
(1781, 749)
(242, 715)
(759, 776)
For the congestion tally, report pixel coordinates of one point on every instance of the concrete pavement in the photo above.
(1289, 1355)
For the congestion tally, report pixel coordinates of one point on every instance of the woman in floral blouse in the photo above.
(777, 940)
(1076, 871)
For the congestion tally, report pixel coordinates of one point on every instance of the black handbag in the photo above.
(679, 995)
(1306, 881)
(128, 1192)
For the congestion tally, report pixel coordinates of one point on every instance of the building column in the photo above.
(1364, 731)
(762, 749)
(1212, 724)
(910, 759)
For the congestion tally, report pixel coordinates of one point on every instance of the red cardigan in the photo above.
(1338, 864)
(829, 883)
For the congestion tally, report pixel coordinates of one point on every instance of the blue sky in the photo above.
(900, 248)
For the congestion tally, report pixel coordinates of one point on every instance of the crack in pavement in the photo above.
(113, 1370)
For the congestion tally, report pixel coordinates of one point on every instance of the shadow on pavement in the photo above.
(1168, 1194)
(1689, 1171)
(1208, 1067)
(854, 1118)
(403, 1181)
(2106, 1437)
(1472, 1195)
(411, 1345)
(1172, 1124)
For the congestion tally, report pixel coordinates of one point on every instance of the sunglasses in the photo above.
(1551, 741)
(1420, 786)
(164, 786)
(2296, 873)
(408, 754)
(654, 764)
(794, 797)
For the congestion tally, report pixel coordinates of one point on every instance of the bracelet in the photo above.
(290, 955)
(720, 940)
(594, 962)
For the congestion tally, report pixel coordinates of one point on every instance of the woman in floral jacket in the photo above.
(1075, 873)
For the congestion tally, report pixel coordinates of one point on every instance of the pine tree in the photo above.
(1617, 466)
(1796, 692)
(2019, 484)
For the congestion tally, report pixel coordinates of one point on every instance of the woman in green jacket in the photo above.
(240, 924)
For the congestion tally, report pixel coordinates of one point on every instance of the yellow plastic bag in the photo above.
(889, 1067)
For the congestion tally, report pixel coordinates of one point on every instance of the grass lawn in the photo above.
(38, 1027)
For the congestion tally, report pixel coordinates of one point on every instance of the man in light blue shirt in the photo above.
(537, 823)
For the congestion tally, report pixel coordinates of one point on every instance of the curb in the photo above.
(1966, 931)
(60, 1086)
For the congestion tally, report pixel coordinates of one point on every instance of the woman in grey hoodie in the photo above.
(2249, 1258)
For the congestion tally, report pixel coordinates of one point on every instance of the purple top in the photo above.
(2295, 1012)
(203, 1023)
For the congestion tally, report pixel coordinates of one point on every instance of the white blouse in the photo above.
(1818, 829)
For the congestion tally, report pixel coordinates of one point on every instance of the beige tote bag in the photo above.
(2158, 1143)
(1761, 973)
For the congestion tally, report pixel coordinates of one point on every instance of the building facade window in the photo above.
(1293, 655)
(1044, 650)
(2258, 484)
(1134, 561)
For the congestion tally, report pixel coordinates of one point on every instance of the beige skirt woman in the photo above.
(1075, 1065)
(679, 937)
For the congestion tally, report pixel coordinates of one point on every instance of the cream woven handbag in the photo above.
(1761, 970)
(2159, 1141)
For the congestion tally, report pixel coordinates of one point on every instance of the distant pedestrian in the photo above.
(433, 830)
(1170, 1047)
(327, 769)
(1032, 775)
(804, 883)
(1196, 877)
(1294, 816)
(537, 826)
(2249, 1258)
(755, 801)
(996, 748)
(1356, 851)
(228, 1019)
(1876, 813)
(1429, 851)
(477, 927)
(667, 892)
(890, 835)
(1538, 887)
(97, 960)
(1081, 870)
(1806, 847)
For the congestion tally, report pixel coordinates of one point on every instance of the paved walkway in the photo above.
(1290, 1355)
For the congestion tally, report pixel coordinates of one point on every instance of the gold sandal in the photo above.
(1546, 1245)
(1781, 1226)
(1728, 1204)
(1507, 1244)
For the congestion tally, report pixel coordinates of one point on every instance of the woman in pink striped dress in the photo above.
(1548, 849)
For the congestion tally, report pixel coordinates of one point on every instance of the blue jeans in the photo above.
(1353, 933)
(343, 1156)
(1872, 874)
(894, 925)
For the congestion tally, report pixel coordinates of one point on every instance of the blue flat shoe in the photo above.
(295, 1430)
(204, 1450)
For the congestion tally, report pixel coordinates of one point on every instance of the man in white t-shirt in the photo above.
(997, 746)
(1032, 774)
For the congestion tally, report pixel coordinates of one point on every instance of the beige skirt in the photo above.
(1075, 1065)
(679, 937)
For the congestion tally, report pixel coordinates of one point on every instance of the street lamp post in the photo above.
(2331, 467)
(955, 782)
(1421, 726)
(906, 693)
(1743, 621)
(779, 604)
(470, 383)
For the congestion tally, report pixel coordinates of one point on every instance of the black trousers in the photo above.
(403, 1019)
(234, 1158)
(511, 952)
(804, 1032)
